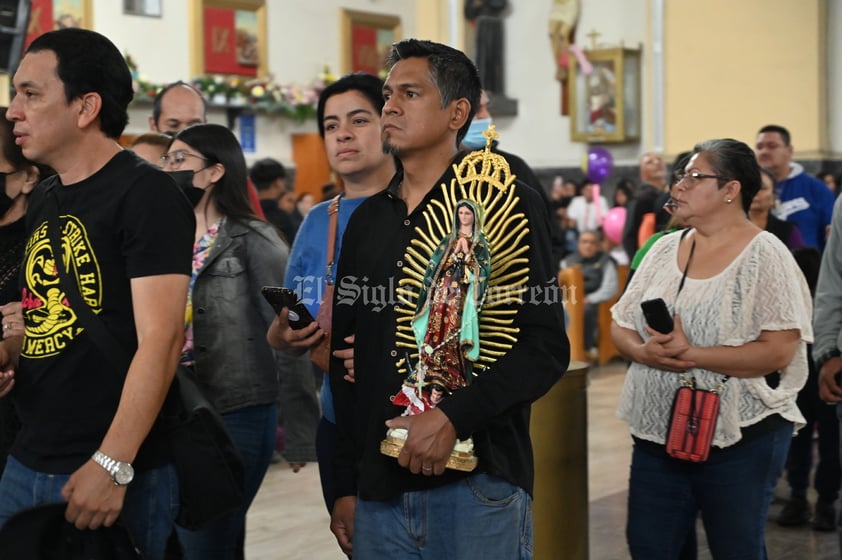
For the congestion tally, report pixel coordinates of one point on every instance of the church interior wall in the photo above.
(729, 68)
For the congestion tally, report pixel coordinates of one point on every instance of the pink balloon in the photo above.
(612, 225)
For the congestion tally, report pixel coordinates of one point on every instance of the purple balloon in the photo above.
(600, 164)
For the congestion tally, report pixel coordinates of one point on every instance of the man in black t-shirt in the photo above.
(126, 237)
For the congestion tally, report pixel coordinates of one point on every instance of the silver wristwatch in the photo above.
(121, 473)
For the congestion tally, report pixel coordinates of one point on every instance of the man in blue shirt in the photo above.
(802, 199)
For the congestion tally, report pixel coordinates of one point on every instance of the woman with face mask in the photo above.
(234, 255)
(18, 176)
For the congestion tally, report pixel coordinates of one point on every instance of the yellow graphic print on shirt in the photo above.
(50, 322)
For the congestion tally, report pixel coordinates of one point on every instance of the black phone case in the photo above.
(657, 315)
(279, 298)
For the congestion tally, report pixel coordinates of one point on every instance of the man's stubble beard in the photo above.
(390, 149)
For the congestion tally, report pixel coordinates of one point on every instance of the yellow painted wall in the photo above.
(732, 66)
(431, 20)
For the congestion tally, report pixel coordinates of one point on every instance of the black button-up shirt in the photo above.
(493, 409)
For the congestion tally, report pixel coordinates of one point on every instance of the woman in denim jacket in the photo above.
(234, 255)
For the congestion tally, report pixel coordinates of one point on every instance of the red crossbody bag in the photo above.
(693, 421)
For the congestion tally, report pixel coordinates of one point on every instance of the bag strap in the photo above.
(97, 331)
(333, 217)
(691, 381)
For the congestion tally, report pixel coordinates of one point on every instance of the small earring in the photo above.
(728, 200)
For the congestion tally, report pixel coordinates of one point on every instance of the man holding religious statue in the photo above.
(448, 314)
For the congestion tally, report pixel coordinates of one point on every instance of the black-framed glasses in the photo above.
(176, 158)
(691, 179)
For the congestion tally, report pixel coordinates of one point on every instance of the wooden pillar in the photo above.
(559, 431)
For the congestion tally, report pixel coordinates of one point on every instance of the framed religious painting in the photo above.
(605, 97)
(229, 37)
(47, 15)
(366, 39)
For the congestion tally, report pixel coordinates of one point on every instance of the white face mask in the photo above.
(474, 139)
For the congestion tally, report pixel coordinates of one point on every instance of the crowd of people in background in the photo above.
(737, 219)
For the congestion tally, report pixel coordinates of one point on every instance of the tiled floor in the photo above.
(288, 520)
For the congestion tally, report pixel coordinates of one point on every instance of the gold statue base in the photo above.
(458, 460)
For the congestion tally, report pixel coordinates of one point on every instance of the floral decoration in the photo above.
(292, 100)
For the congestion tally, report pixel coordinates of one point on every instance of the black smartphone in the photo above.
(657, 315)
(279, 298)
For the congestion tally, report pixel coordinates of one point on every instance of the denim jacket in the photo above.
(234, 364)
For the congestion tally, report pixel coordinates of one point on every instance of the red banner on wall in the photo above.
(220, 33)
(364, 56)
(46, 15)
(40, 20)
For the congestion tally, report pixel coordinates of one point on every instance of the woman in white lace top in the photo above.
(741, 311)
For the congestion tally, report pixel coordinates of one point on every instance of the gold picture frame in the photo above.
(205, 45)
(365, 40)
(605, 103)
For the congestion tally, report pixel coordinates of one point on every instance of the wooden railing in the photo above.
(572, 282)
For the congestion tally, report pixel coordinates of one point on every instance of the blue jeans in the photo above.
(481, 516)
(148, 512)
(253, 431)
(732, 489)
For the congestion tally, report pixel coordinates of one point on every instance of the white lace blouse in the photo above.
(762, 289)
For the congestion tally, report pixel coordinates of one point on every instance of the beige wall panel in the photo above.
(733, 66)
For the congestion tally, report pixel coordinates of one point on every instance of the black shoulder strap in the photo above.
(111, 348)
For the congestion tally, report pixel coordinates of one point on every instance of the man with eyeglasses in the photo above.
(801, 198)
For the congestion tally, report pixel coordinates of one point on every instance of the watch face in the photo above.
(124, 474)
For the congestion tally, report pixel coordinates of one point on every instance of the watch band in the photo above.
(121, 473)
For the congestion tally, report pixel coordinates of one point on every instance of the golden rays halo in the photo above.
(483, 177)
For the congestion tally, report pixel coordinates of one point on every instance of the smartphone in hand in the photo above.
(657, 315)
(279, 298)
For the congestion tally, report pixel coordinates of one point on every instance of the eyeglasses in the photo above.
(176, 158)
(691, 179)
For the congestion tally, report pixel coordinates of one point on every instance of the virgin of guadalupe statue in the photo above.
(446, 320)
